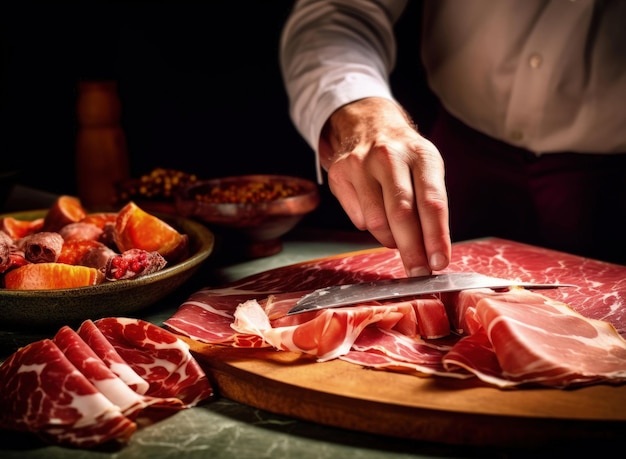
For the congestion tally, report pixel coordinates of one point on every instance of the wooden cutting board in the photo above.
(444, 410)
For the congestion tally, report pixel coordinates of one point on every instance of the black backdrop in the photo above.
(199, 83)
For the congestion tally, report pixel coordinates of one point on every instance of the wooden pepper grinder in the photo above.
(101, 149)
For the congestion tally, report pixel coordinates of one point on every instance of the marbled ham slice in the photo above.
(132, 405)
(389, 349)
(537, 340)
(107, 353)
(42, 392)
(329, 334)
(432, 319)
(159, 357)
(461, 307)
(601, 291)
(209, 315)
(77, 390)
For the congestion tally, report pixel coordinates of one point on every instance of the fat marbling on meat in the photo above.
(44, 393)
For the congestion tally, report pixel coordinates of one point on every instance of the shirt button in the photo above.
(535, 61)
(517, 135)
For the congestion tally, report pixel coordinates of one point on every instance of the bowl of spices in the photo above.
(154, 191)
(250, 212)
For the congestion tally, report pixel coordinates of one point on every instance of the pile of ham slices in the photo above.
(508, 338)
(100, 383)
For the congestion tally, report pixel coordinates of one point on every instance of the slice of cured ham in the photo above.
(42, 392)
(328, 335)
(389, 349)
(82, 390)
(536, 340)
(107, 353)
(208, 314)
(601, 287)
(159, 357)
(252, 311)
(131, 404)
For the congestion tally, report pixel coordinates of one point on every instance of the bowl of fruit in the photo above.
(64, 265)
(252, 211)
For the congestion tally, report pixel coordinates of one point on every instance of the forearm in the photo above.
(331, 56)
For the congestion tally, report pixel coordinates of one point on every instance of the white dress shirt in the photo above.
(545, 75)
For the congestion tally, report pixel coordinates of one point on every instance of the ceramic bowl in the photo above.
(254, 210)
(54, 308)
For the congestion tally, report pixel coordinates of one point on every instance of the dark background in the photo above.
(199, 83)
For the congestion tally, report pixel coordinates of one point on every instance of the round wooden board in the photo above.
(445, 410)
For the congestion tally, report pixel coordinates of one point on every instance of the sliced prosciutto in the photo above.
(457, 336)
(391, 350)
(159, 357)
(601, 287)
(107, 353)
(131, 404)
(328, 335)
(81, 388)
(536, 340)
(208, 314)
(44, 393)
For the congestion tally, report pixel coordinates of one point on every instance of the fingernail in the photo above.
(438, 261)
(419, 271)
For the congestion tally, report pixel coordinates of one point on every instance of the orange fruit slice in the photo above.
(17, 229)
(47, 276)
(100, 219)
(137, 229)
(65, 210)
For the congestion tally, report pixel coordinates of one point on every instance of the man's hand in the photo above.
(389, 180)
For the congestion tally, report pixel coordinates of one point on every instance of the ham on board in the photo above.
(99, 384)
(506, 338)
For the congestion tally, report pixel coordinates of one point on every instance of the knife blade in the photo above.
(349, 294)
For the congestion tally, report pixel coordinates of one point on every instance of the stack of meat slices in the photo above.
(100, 383)
(506, 338)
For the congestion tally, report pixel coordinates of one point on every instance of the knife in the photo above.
(349, 294)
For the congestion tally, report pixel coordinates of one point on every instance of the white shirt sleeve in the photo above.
(333, 53)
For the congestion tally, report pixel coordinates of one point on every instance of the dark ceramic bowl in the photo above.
(260, 208)
(54, 308)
